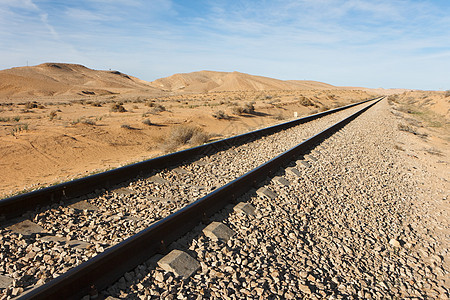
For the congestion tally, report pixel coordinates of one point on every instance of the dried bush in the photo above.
(221, 115)
(305, 101)
(52, 115)
(447, 93)
(323, 108)
(185, 135)
(407, 128)
(147, 122)
(34, 104)
(118, 107)
(126, 126)
(248, 108)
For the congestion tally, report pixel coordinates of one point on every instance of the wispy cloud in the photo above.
(345, 42)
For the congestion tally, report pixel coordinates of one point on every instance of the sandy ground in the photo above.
(63, 139)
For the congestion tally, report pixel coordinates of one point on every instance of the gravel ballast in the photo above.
(73, 234)
(357, 223)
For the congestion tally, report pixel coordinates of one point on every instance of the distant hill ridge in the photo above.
(211, 81)
(53, 79)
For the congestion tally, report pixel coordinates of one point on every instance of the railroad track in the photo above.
(168, 186)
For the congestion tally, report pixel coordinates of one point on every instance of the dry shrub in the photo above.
(185, 135)
(305, 101)
(279, 116)
(434, 151)
(221, 115)
(34, 104)
(126, 126)
(248, 108)
(52, 115)
(407, 128)
(397, 147)
(156, 108)
(323, 108)
(447, 93)
(118, 107)
(147, 122)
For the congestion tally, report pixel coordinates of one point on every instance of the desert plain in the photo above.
(64, 121)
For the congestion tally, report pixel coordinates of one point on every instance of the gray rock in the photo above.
(395, 243)
(5, 281)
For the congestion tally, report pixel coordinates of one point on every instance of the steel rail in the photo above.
(18, 205)
(104, 269)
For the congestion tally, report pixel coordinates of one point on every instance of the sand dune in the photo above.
(210, 81)
(59, 79)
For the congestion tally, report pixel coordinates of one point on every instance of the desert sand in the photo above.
(64, 121)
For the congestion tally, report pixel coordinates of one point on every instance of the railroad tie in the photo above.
(303, 163)
(179, 263)
(180, 171)
(310, 157)
(218, 231)
(245, 208)
(293, 171)
(281, 180)
(158, 180)
(317, 152)
(83, 205)
(265, 192)
(26, 228)
(123, 191)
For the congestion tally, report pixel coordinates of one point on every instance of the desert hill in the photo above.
(61, 79)
(211, 81)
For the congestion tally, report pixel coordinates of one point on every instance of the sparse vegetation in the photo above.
(156, 108)
(52, 115)
(279, 116)
(126, 126)
(248, 108)
(323, 108)
(434, 151)
(19, 128)
(305, 101)
(447, 93)
(147, 122)
(185, 135)
(34, 104)
(397, 147)
(118, 107)
(407, 128)
(221, 115)
(85, 121)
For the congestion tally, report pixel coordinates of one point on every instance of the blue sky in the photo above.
(371, 43)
